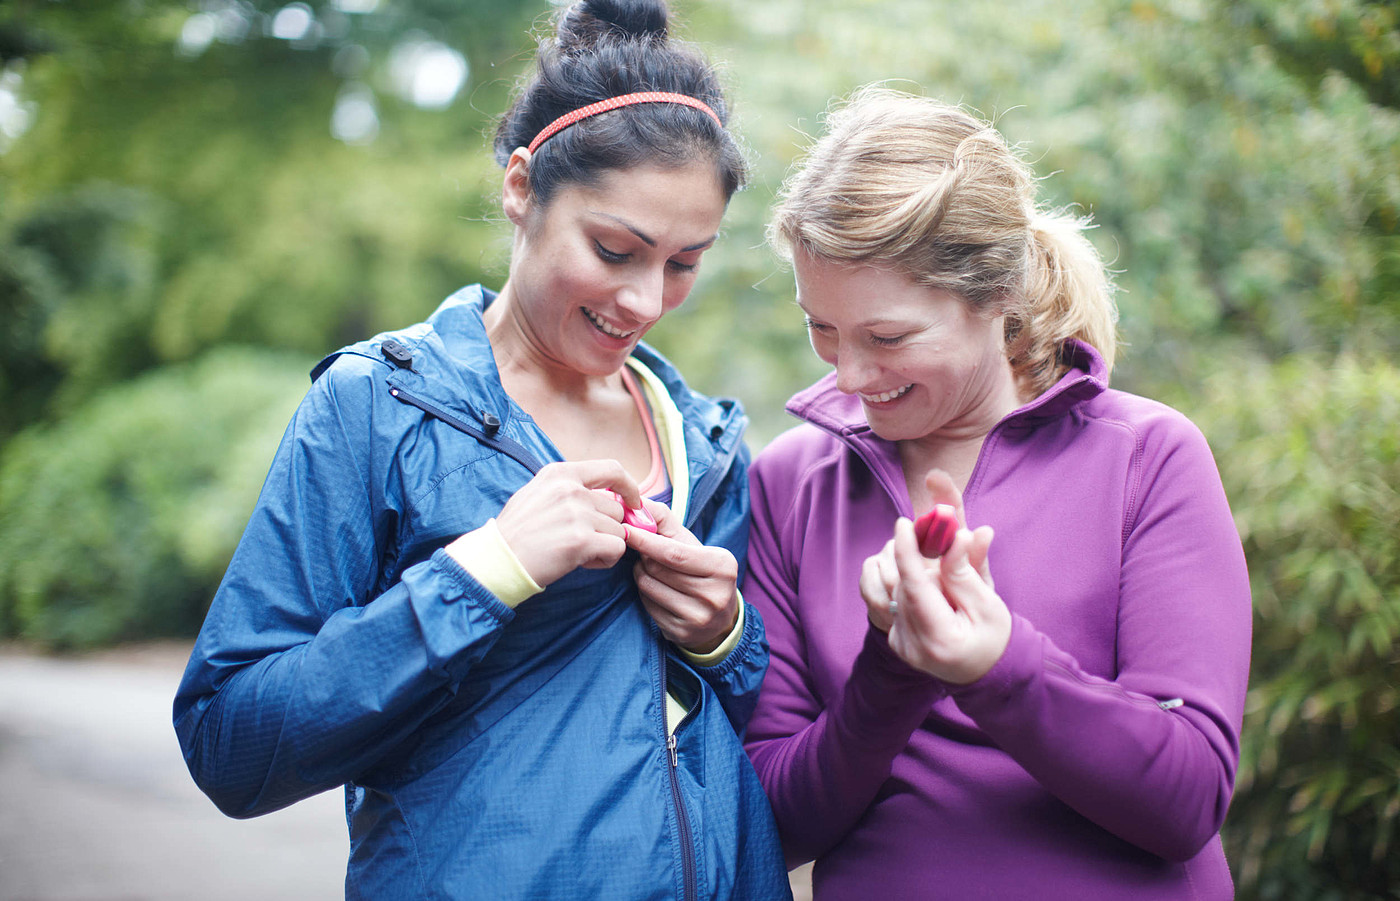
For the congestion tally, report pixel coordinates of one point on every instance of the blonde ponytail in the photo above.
(1068, 294)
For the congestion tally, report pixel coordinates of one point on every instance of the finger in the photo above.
(605, 474)
(698, 560)
(963, 585)
(957, 552)
(977, 553)
(944, 490)
(876, 595)
(873, 586)
(610, 503)
(604, 551)
(668, 523)
(889, 572)
(683, 613)
(919, 597)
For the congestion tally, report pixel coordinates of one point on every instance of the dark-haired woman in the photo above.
(490, 586)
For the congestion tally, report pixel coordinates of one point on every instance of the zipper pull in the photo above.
(671, 746)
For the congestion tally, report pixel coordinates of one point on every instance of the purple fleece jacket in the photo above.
(1097, 758)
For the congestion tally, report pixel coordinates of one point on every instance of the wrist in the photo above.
(711, 652)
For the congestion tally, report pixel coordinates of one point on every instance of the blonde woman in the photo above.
(1050, 713)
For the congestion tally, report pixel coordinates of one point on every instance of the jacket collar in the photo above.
(450, 364)
(827, 407)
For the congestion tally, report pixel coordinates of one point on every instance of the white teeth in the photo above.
(887, 396)
(603, 325)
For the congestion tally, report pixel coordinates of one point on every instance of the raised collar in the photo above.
(825, 406)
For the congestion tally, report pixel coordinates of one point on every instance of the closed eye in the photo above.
(886, 342)
(609, 256)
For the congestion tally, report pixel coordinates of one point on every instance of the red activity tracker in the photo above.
(935, 530)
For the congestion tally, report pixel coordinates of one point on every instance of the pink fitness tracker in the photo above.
(638, 518)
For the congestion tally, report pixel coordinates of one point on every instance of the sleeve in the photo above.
(300, 680)
(731, 641)
(1151, 755)
(821, 766)
(485, 555)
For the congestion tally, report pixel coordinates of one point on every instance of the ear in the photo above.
(515, 191)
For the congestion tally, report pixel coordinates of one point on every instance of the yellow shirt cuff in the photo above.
(729, 643)
(484, 554)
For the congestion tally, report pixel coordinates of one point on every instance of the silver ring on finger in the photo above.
(894, 607)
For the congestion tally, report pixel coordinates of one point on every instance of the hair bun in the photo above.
(585, 23)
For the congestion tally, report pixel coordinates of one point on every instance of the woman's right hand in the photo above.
(568, 516)
(880, 573)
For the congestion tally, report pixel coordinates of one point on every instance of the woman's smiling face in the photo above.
(598, 266)
(921, 360)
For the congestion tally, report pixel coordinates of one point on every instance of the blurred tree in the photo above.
(269, 174)
(1315, 484)
(1246, 200)
(117, 523)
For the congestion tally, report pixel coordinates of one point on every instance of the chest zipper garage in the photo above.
(673, 760)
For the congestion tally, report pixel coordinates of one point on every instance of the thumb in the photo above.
(668, 524)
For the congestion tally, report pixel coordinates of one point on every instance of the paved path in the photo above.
(96, 804)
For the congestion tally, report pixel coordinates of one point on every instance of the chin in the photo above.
(893, 427)
(888, 431)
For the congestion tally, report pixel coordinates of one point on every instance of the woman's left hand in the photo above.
(947, 620)
(689, 588)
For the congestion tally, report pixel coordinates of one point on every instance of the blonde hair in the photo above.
(932, 191)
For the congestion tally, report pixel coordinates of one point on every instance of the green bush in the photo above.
(117, 522)
(1310, 454)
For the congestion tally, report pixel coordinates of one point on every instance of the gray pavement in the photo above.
(96, 804)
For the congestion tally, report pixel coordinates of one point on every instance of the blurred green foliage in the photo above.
(1315, 484)
(182, 232)
(115, 521)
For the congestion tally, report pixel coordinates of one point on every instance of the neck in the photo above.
(956, 446)
(526, 370)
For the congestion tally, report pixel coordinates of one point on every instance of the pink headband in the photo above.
(612, 103)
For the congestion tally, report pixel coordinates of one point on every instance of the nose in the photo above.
(642, 296)
(853, 371)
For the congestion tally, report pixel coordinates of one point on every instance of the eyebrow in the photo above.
(650, 241)
(869, 324)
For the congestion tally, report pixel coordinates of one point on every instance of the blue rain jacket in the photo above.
(485, 752)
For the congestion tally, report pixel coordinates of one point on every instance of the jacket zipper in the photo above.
(506, 446)
(682, 820)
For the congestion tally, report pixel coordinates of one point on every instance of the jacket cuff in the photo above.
(486, 557)
(1018, 664)
(884, 700)
(885, 668)
(730, 642)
